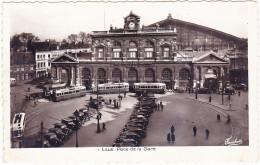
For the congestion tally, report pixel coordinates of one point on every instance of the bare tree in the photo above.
(73, 38)
(83, 37)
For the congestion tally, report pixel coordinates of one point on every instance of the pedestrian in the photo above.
(173, 138)
(228, 119)
(90, 98)
(172, 129)
(100, 114)
(158, 107)
(218, 118)
(34, 103)
(207, 134)
(117, 105)
(189, 89)
(169, 137)
(29, 89)
(104, 127)
(239, 93)
(161, 103)
(110, 101)
(124, 94)
(194, 130)
(162, 107)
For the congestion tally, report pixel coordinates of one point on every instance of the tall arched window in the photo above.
(149, 75)
(101, 76)
(166, 74)
(184, 74)
(132, 50)
(116, 75)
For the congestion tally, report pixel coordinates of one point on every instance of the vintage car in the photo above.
(59, 133)
(240, 86)
(203, 91)
(64, 128)
(69, 123)
(52, 139)
(120, 141)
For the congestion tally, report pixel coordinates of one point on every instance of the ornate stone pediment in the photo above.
(210, 58)
(64, 59)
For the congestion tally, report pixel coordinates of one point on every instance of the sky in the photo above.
(58, 20)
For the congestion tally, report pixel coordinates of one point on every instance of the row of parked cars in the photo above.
(135, 129)
(60, 132)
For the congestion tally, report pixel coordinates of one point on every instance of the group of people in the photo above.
(170, 135)
(160, 106)
(116, 103)
(195, 132)
(219, 119)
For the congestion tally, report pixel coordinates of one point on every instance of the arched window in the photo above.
(166, 74)
(132, 74)
(149, 75)
(86, 73)
(184, 74)
(132, 44)
(116, 75)
(101, 73)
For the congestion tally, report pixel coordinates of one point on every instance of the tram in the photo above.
(18, 126)
(149, 87)
(68, 93)
(12, 81)
(112, 88)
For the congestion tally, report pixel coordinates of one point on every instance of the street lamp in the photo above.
(76, 113)
(98, 126)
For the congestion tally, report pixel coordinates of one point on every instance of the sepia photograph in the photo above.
(130, 76)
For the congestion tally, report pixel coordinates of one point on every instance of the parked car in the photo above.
(64, 128)
(130, 135)
(124, 144)
(203, 91)
(42, 143)
(52, 139)
(119, 141)
(228, 91)
(59, 133)
(138, 131)
(69, 123)
(240, 86)
(76, 121)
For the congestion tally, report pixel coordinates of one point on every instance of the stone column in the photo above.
(71, 75)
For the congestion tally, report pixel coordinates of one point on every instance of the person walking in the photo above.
(169, 137)
(160, 103)
(162, 107)
(117, 105)
(173, 138)
(207, 134)
(124, 94)
(239, 93)
(34, 103)
(158, 107)
(172, 129)
(218, 118)
(194, 130)
(104, 127)
(110, 101)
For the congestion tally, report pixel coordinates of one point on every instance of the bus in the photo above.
(68, 93)
(112, 88)
(139, 88)
(12, 81)
(18, 125)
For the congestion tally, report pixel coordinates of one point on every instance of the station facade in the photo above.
(151, 53)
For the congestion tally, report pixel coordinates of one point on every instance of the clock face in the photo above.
(131, 25)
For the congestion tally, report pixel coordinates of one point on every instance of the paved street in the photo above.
(181, 109)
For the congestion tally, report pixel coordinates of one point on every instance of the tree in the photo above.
(83, 37)
(73, 38)
(19, 42)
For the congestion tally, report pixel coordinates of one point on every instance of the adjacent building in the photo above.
(22, 66)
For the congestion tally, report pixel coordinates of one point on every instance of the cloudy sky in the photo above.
(58, 20)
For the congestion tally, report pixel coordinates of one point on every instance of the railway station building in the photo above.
(175, 52)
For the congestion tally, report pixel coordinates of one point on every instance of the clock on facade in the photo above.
(131, 25)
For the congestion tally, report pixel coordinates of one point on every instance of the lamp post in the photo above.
(98, 126)
(76, 113)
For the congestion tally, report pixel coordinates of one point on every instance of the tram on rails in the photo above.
(68, 93)
(112, 88)
(18, 126)
(139, 88)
